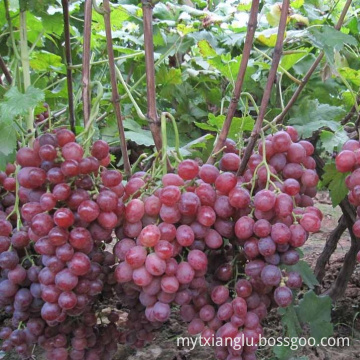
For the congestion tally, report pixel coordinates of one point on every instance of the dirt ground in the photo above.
(346, 312)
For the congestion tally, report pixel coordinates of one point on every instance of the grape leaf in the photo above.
(332, 140)
(290, 321)
(282, 352)
(335, 181)
(288, 61)
(244, 5)
(204, 126)
(7, 137)
(46, 61)
(350, 74)
(296, 4)
(316, 310)
(117, 17)
(310, 116)
(228, 66)
(329, 40)
(53, 23)
(306, 273)
(215, 123)
(166, 76)
(267, 37)
(292, 329)
(141, 137)
(17, 103)
(206, 49)
(245, 123)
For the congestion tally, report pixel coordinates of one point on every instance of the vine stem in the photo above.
(25, 62)
(338, 287)
(176, 132)
(8, 19)
(150, 73)
(99, 62)
(329, 248)
(269, 85)
(5, 71)
(164, 143)
(65, 6)
(86, 61)
(139, 113)
(17, 201)
(239, 81)
(279, 118)
(114, 88)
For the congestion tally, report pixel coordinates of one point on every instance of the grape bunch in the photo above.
(348, 161)
(212, 242)
(205, 242)
(59, 207)
(41, 117)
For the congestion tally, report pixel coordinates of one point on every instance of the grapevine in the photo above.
(204, 241)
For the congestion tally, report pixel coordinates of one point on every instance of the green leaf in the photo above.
(205, 126)
(290, 321)
(331, 141)
(7, 138)
(296, 4)
(329, 40)
(348, 98)
(335, 181)
(141, 137)
(205, 48)
(216, 121)
(244, 5)
(238, 125)
(228, 66)
(282, 352)
(311, 116)
(306, 273)
(353, 25)
(350, 74)
(131, 125)
(288, 61)
(267, 37)
(168, 76)
(185, 29)
(118, 15)
(321, 329)
(273, 15)
(45, 61)
(316, 310)
(53, 24)
(16, 103)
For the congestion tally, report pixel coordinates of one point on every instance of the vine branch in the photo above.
(239, 81)
(8, 19)
(114, 88)
(65, 6)
(279, 118)
(152, 116)
(5, 71)
(269, 85)
(86, 61)
(338, 288)
(25, 63)
(329, 248)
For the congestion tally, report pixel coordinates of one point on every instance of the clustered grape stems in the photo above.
(214, 243)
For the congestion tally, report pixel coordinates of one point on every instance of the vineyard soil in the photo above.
(345, 313)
